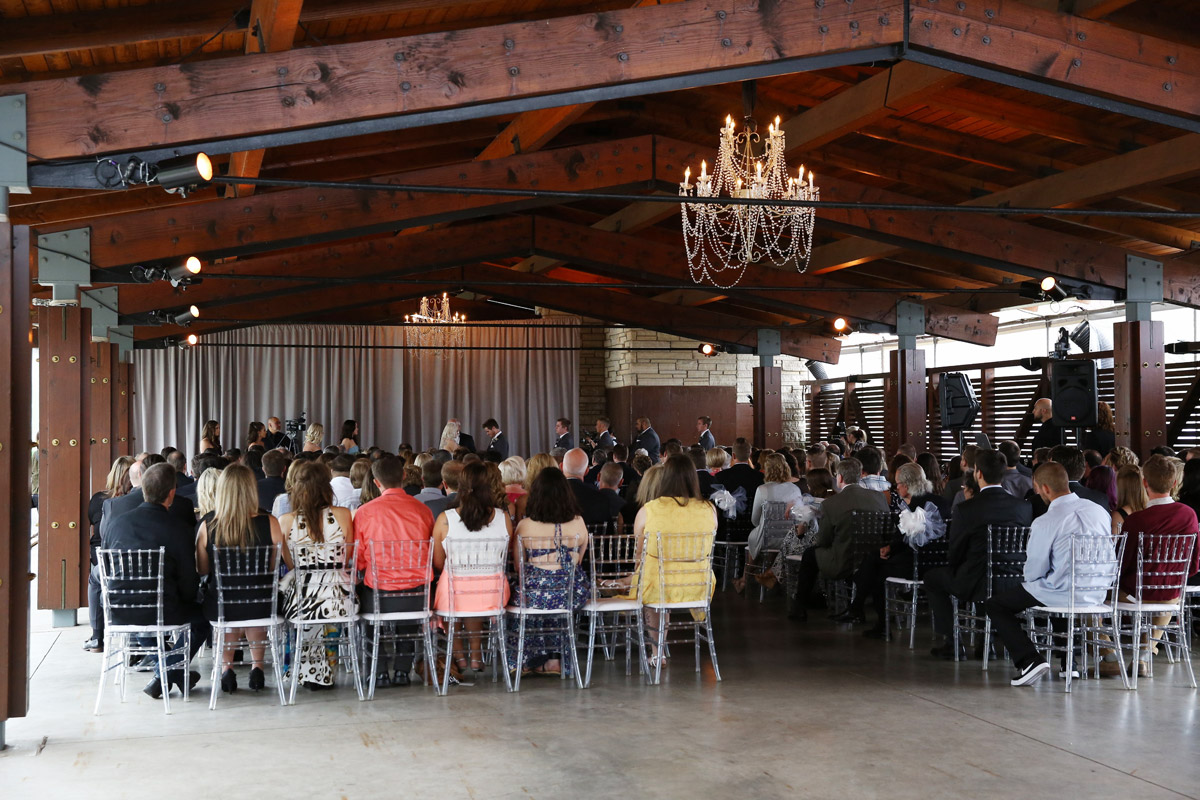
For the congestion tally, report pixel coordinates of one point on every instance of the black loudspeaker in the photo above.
(1073, 393)
(957, 400)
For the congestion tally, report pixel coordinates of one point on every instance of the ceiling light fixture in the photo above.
(180, 175)
(434, 328)
(179, 275)
(708, 350)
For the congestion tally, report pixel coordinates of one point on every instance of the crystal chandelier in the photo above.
(434, 329)
(722, 239)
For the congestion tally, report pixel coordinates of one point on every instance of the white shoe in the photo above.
(1030, 674)
(1062, 673)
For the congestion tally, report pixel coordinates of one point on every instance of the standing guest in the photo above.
(604, 436)
(316, 594)
(1048, 580)
(592, 505)
(475, 517)
(210, 437)
(1131, 496)
(344, 493)
(275, 435)
(497, 441)
(150, 526)
(562, 434)
(239, 523)
(349, 442)
(1049, 434)
(1013, 481)
(392, 517)
(933, 471)
(776, 488)
(431, 488)
(453, 438)
(271, 485)
(647, 438)
(512, 472)
(704, 429)
(554, 537)
(1103, 437)
(313, 437)
(256, 435)
(116, 485)
(965, 575)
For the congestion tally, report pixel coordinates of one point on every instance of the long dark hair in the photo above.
(252, 434)
(551, 499)
(679, 480)
(209, 431)
(1189, 487)
(311, 494)
(348, 430)
(475, 501)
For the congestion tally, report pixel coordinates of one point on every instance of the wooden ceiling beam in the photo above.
(1097, 9)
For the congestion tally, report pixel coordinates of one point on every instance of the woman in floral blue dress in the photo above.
(554, 539)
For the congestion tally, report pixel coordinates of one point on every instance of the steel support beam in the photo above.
(1140, 385)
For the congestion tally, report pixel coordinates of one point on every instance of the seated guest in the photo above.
(283, 502)
(816, 458)
(592, 506)
(599, 459)
(672, 505)
(553, 535)
(830, 555)
(181, 508)
(1072, 460)
(965, 575)
(475, 517)
(206, 493)
(116, 485)
(536, 464)
(149, 526)
(512, 472)
(272, 484)
(716, 460)
(1015, 483)
(253, 460)
(558, 454)
(1048, 558)
(1042, 455)
(431, 486)
(344, 493)
(933, 471)
(895, 559)
(740, 474)
(360, 475)
(414, 481)
(1189, 486)
(800, 538)
(313, 437)
(200, 463)
(1131, 495)
(966, 463)
(232, 456)
(609, 484)
(392, 517)
(239, 523)
(777, 488)
(451, 473)
(1102, 479)
(370, 491)
(178, 462)
(619, 454)
(671, 447)
(1162, 515)
(703, 476)
(314, 519)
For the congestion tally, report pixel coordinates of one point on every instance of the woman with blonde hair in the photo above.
(237, 524)
(1119, 457)
(533, 466)
(117, 485)
(313, 437)
(777, 488)
(449, 438)
(1131, 495)
(206, 491)
(283, 503)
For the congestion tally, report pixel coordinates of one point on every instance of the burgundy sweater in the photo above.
(1165, 518)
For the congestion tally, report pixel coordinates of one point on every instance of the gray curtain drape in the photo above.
(344, 372)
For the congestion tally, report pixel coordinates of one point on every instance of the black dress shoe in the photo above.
(383, 680)
(154, 688)
(401, 679)
(175, 680)
(93, 645)
(257, 680)
(229, 681)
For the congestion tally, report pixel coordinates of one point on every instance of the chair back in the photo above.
(1005, 556)
(475, 571)
(327, 568)
(407, 561)
(871, 530)
(1095, 565)
(776, 524)
(932, 554)
(683, 561)
(1163, 563)
(245, 577)
(613, 559)
(548, 558)
(131, 584)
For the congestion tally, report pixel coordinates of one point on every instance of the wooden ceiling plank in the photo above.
(1097, 9)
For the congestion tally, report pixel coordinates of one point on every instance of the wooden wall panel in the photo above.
(100, 392)
(768, 406)
(673, 410)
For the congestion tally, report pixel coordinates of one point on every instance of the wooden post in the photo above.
(122, 407)
(1140, 385)
(100, 433)
(768, 406)
(905, 410)
(987, 402)
(15, 353)
(64, 336)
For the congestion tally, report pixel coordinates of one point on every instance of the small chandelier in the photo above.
(722, 239)
(434, 329)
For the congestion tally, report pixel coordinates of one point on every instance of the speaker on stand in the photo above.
(958, 406)
(1074, 386)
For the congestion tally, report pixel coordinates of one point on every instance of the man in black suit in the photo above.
(707, 440)
(181, 508)
(178, 461)
(699, 458)
(274, 464)
(599, 459)
(604, 437)
(609, 485)
(463, 439)
(149, 526)
(738, 474)
(965, 576)
(497, 441)
(1049, 434)
(562, 433)
(1075, 464)
(200, 463)
(592, 505)
(647, 439)
(620, 456)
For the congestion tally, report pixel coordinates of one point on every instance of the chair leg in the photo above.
(641, 632)
(1137, 646)
(273, 639)
(352, 629)
(516, 680)
(164, 672)
(218, 649)
(696, 638)
(663, 614)
(1070, 645)
(373, 628)
(591, 650)
(712, 644)
(987, 641)
(295, 669)
(449, 654)
(574, 650)
(108, 641)
(912, 619)
(501, 637)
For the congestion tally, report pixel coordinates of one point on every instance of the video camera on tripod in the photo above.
(294, 431)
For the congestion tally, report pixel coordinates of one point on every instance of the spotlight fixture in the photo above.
(179, 275)
(180, 175)
(841, 325)
(183, 318)
(1052, 290)
(709, 350)
(1182, 348)
(188, 341)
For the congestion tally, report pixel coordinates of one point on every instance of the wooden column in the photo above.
(933, 419)
(768, 406)
(987, 402)
(814, 414)
(122, 409)
(905, 412)
(15, 355)
(101, 387)
(1140, 385)
(64, 365)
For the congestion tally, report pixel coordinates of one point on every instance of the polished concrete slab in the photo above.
(805, 710)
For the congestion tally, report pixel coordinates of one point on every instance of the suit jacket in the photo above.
(742, 475)
(268, 490)
(968, 536)
(148, 527)
(1099, 498)
(183, 509)
(834, 542)
(499, 445)
(648, 440)
(437, 504)
(466, 440)
(707, 441)
(593, 506)
(606, 440)
(565, 441)
(183, 479)
(706, 482)
(616, 504)
(188, 491)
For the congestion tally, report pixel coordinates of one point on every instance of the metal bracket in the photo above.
(1143, 287)
(770, 344)
(103, 303)
(122, 337)
(910, 323)
(14, 163)
(65, 263)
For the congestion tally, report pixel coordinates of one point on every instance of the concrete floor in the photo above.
(805, 710)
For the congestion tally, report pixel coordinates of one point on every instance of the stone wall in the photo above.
(593, 402)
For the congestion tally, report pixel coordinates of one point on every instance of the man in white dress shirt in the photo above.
(1048, 568)
(344, 493)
